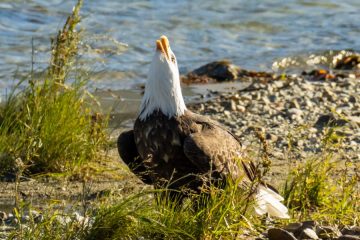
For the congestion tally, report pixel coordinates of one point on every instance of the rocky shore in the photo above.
(299, 116)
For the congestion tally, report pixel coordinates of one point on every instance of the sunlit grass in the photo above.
(223, 213)
(48, 125)
(325, 186)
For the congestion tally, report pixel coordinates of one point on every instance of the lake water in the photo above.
(252, 34)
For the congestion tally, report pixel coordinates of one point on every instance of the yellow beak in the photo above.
(163, 45)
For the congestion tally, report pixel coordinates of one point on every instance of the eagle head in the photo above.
(162, 89)
(164, 66)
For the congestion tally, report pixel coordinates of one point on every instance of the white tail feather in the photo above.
(268, 201)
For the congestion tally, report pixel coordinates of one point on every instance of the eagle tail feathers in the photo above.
(268, 201)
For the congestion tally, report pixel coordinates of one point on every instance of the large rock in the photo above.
(218, 71)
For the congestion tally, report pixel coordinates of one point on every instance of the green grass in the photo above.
(225, 213)
(324, 188)
(48, 125)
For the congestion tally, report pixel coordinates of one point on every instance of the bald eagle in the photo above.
(175, 148)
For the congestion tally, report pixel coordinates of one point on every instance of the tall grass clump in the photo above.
(47, 126)
(221, 213)
(325, 187)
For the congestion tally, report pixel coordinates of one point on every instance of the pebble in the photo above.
(227, 113)
(295, 111)
(308, 233)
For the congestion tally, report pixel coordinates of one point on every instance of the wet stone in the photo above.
(308, 233)
(220, 71)
(280, 234)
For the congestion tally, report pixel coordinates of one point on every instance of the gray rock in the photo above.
(240, 108)
(278, 84)
(280, 234)
(308, 103)
(220, 71)
(295, 111)
(308, 233)
(272, 98)
(304, 225)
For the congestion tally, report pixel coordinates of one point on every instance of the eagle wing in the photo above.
(130, 156)
(214, 149)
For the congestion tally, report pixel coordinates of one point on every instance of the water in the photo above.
(253, 34)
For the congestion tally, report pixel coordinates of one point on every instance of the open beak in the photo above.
(163, 45)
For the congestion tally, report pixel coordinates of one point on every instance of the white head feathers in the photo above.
(163, 90)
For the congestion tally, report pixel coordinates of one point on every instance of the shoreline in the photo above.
(295, 114)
